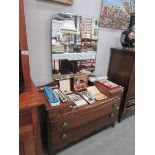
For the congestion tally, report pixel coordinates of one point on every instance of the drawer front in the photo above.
(59, 140)
(59, 112)
(78, 119)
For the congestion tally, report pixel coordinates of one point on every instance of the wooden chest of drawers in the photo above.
(67, 124)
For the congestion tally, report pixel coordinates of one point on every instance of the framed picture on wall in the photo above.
(116, 13)
(64, 1)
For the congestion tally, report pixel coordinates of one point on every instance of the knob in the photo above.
(111, 115)
(64, 136)
(65, 125)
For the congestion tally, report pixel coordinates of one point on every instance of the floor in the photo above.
(119, 140)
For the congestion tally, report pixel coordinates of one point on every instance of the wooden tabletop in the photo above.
(30, 98)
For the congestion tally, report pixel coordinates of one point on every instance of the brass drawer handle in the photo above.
(64, 137)
(65, 125)
(111, 115)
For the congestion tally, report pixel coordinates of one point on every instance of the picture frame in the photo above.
(116, 13)
(65, 86)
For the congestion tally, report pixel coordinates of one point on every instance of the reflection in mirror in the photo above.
(74, 44)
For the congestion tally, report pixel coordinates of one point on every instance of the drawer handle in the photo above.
(64, 136)
(111, 115)
(65, 125)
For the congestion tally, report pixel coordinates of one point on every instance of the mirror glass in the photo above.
(73, 44)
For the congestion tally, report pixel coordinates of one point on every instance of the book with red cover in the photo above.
(109, 85)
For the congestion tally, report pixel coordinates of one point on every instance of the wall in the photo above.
(38, 14)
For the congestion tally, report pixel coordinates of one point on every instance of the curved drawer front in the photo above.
(63, 138)
(78, 119)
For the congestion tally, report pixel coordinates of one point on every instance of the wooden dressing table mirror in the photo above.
(73, 44)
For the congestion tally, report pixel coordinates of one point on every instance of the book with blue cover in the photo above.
(51, 96)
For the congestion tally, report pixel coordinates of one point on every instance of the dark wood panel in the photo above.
(122, 71)
(131, 91)
(120, 68)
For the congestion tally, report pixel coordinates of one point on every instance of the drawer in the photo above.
(58, 112)
(78, 119)
(59, 140)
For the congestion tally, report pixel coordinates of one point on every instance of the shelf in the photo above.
(75, 56)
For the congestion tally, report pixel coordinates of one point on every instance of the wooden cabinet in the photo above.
(67, 124)
(122, 71)
(29, 126)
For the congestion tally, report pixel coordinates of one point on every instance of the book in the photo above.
(85, 94)
(60, 95)
(108, 84)
(51, 96)
(77, 99)
(95, 93)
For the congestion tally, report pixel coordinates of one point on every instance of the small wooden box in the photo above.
(80, 82)
(109, 93)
